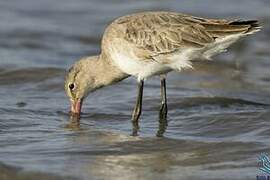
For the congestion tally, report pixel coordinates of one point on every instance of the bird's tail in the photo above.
(251, 25)
(223, 28)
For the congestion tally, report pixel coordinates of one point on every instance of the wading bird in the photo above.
(147, 44)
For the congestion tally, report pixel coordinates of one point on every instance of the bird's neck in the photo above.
(106, 72)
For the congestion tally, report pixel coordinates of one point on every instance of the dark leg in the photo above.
(138, 109)
(163, 108)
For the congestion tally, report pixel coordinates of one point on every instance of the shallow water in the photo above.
(218, 113)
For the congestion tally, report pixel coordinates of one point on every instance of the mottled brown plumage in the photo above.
(166, 32)
(151, 43)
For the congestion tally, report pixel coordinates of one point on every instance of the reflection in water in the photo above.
(163, 123)
(116, 156)
(74, 122)
(134, 166)
(135, 128)
(124, 157)
(218, 118)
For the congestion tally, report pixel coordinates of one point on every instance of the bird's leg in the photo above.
(137, 109)
(163, 107)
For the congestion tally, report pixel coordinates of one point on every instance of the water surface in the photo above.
(218, 113)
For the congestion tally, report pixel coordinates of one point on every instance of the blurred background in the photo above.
(218, 113)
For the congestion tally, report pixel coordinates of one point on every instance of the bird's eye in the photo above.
(71, 86)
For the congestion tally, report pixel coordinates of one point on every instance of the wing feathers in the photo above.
(164, 32)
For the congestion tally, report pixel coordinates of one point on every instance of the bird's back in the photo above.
(171, 39)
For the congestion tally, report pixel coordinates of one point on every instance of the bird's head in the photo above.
(80, 81)
(88, 75)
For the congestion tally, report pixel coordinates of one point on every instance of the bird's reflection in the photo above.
(135, 129)
(74, 122)
(163, 123)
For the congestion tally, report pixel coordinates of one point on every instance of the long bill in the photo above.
(76, 106)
